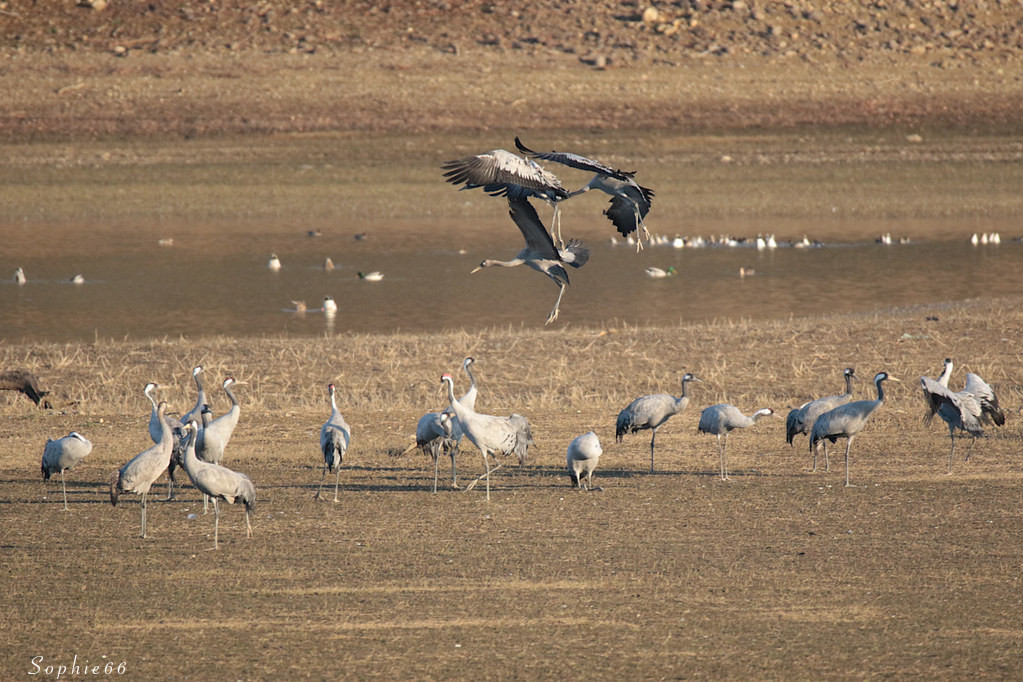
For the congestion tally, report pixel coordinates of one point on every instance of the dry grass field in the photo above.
(778, 574)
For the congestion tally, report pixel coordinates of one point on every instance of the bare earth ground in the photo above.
(780, 574)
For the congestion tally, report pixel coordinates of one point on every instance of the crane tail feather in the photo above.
(115, 487)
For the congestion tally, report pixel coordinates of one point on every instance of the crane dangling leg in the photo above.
(557, 304)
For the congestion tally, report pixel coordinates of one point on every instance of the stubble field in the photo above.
(780, 573)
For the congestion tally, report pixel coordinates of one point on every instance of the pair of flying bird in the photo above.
(501, 173)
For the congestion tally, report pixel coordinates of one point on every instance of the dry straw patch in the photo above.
(780, 573)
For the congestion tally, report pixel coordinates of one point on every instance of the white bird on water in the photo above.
(218, 483)
(63, 454)
(654, 272)
(335, 437)
(329, 305)
(274, 263)
(374, 276)
(19, 276)
(582, 455)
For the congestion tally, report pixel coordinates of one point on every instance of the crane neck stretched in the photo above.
(848, 384)
(230, 395)
(514, 262)
(880, 389)
(946, 374)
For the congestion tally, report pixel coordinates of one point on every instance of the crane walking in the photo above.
(582, 456)
(139, 474)
(539, 253)
(63, 454)
(846, 421)
(491, 435)
(335, 437)
(720, 420)
(651, 412)
(218, 483)
(967, 410)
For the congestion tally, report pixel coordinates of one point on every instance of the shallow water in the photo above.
(213, 280)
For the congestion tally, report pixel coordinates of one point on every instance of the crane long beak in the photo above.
(891, 378)
(476, 269)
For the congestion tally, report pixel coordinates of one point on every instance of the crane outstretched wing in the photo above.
(538, 239)
(500, 173)
(576, 161)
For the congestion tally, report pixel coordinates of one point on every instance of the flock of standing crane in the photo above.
(196, 442)
(198, 446)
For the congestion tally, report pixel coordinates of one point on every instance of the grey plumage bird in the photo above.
(721, 420)
(651, 412)
(539, 253)
(801, 419)
(335, 437)
(502, 173)
(138, 475)
(438, 432)
(967, 410)
(213, 440)
(195, 414)
(630, 202)
(62, 454)
(155, 433)
(218, 483)
(582, 456)
(490, 434)
(847, 421)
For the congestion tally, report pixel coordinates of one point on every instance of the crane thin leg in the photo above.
(63, 489)
(144, 514)
(337, 483)
(848, 445)
(652, 439)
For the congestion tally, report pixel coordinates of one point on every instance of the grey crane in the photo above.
(63, 454)
(847, 421)
(491, 435)
(502, 173)
(213, 439)
(195, 414)
(651, 412)
(155, 434)
(539, 252)
(139, 474)
(630, 202)
(967, 410)
(801, 419)
(335, 437)
(434, 435)
(582, 455)
(721, 420)
(438, 432)
(218, 483)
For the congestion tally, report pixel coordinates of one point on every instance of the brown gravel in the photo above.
(237, 66)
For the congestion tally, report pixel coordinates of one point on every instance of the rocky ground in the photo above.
(97, 67)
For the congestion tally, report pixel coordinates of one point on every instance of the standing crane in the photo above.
(195, 414)
(219, 483)
(539, 252)
(582, 455)
(213, 439)
(139, 474)
(491, 435)
(335, 437)
(650, 412)
(802, 418)
(63, 454)
(630, 202)
(438, 432)
(720, 420)
(156, 433)
(967, 410)
(847, 421)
